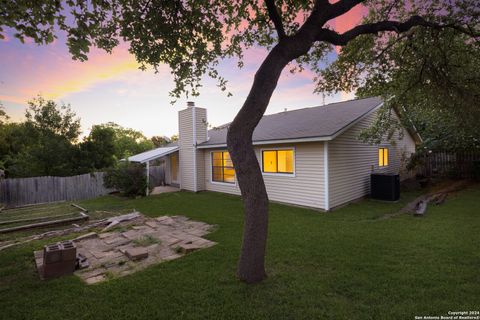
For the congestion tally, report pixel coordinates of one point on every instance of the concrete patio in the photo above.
(164, 189)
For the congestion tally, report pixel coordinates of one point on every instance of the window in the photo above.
(383, 157)
(277, 161)
(222, 167)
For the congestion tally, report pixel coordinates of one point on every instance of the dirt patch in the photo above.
(437, 196)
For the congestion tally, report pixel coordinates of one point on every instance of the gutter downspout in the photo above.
(148, 178)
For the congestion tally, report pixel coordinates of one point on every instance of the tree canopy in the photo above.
(50, 118)
(127, 141)
(3, 115)
(48, 142)
(430, 77)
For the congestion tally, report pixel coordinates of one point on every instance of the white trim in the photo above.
(224, 183)
(148, 178)
(166, 153)
(267, 142)
(194, 120)
(206, 125)
(296, 140)
(326, 176)
(211, 172)
(279, 174)
(413, 125)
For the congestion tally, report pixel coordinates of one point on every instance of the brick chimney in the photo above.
(192, 130)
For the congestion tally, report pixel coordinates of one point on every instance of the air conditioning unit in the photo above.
(385, 186)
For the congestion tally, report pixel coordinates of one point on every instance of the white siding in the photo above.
(351, 162)
(185, 143)
(202, 130)
(305, 188)
(187, 150)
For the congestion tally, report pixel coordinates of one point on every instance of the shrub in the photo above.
(128, 178)
(416, 160)
(476, 170)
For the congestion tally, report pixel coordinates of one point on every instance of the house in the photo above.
(309, 157)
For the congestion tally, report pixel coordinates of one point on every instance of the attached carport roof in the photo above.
(152, 154)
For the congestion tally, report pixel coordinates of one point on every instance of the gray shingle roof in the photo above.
(314, 122)
(153, 154)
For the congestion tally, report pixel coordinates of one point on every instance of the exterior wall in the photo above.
(351, 162)
(187, 142)
(202, 136)
(305, 187)
(168, 170)
(168, 176)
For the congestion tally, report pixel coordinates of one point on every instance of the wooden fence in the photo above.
(454, 164)
(24, 191)
(157, 175)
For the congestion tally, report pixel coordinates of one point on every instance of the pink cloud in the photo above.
(54, 74)
(349, 20)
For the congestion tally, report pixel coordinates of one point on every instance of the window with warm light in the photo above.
(174, 166)
(278, 161)
(383, 157)
(222, 167)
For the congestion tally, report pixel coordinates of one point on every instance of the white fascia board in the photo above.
(266, 142)
(158, 156)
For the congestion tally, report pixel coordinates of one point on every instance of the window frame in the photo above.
(281, 174)
(383, 155)
(234, 183)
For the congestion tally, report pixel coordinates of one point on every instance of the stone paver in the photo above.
(96, 279)
(132, 234)
(117, 241)
(152, 224)
(165, 238)
(136, 253)
(106, 235)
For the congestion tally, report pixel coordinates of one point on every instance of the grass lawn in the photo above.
(340, 265)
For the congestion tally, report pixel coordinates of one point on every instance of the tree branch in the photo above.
(276, 18)
(374, 28)
(343, 6)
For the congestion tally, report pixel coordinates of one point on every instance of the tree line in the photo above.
(48, 142)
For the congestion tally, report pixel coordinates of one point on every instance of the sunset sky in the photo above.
(111, 88)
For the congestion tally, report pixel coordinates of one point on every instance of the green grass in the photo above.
(340, 265)
(146, 241)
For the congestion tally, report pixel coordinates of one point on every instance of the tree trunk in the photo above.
(251, 266)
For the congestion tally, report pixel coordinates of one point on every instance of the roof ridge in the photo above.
(327, 105)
